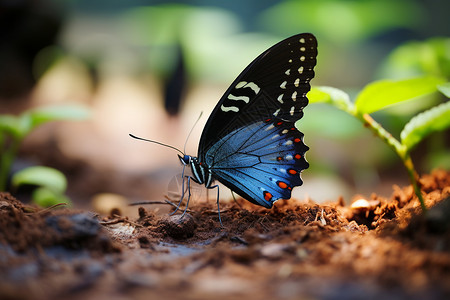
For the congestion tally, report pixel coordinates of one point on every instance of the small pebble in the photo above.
(178, 226)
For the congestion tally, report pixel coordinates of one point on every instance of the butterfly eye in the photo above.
(185, 160)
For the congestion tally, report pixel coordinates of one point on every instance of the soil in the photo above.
(375, 248)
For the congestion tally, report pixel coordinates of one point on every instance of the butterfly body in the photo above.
(250, 142)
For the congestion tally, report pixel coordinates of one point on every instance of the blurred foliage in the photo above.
(51, 185)
(13, 130)
(430, 57)
(342, 21)
(206, 35)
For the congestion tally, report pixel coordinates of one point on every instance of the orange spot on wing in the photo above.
(292, 171)
(297, 156)
(282, 184)
(297, 140)
(267, 196)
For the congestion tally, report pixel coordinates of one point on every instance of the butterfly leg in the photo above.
(218, 205)
(182, 192)
(189, 194)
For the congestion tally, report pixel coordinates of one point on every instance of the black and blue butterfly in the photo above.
(250, 142)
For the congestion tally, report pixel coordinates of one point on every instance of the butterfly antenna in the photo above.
(192, 129)
(151, 141)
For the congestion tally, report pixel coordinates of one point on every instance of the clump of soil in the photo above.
(375, 248)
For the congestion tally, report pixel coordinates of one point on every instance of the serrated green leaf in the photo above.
(45, 197)
(381, 94)
(330, 95)
(41, 176)
(434, 119)
(444, 89)
(53, 113)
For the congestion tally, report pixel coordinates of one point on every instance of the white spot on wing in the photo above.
(300, 70)
(302, 40)
(302, 49)
(285, 131)
(288, 143)
(227, 109)
(251, 85)
(254, 87)
(275, 136)
(283, 85)
(288, 71)
(241, 84)
(236, 98)
(276, 112)
(297, 81)
(280, 98)
(294, 96)
(292, 111)
(288, 157)
(270, 127)
(302, 58)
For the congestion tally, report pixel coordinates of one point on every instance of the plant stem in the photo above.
(414, 178)
(398, 148)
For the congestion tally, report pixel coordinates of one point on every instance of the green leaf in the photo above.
(381, 94)
(435, 119)
(45, 197)
(10, 124)
(330, 95)
(20, 126)
(53, 113)
(41, 176)
(444, 89)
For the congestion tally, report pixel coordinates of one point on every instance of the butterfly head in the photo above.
(185, 159)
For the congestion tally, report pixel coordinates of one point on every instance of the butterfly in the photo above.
(250, 143)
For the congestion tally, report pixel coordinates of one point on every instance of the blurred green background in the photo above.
(151, 67)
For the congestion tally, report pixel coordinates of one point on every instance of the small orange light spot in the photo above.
(267, 196)
(282, 184)
(268, 120)
(279, 123)
(292, 171)
(297, 156)
(297, 140)
(279, 158)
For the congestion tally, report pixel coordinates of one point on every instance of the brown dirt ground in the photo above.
(382, 248)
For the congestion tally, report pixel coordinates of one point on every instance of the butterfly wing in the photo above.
(250, 142)
(261, 162)
(276, 82)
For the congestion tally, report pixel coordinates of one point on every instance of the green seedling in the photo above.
(51, 183)
(382, 94)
